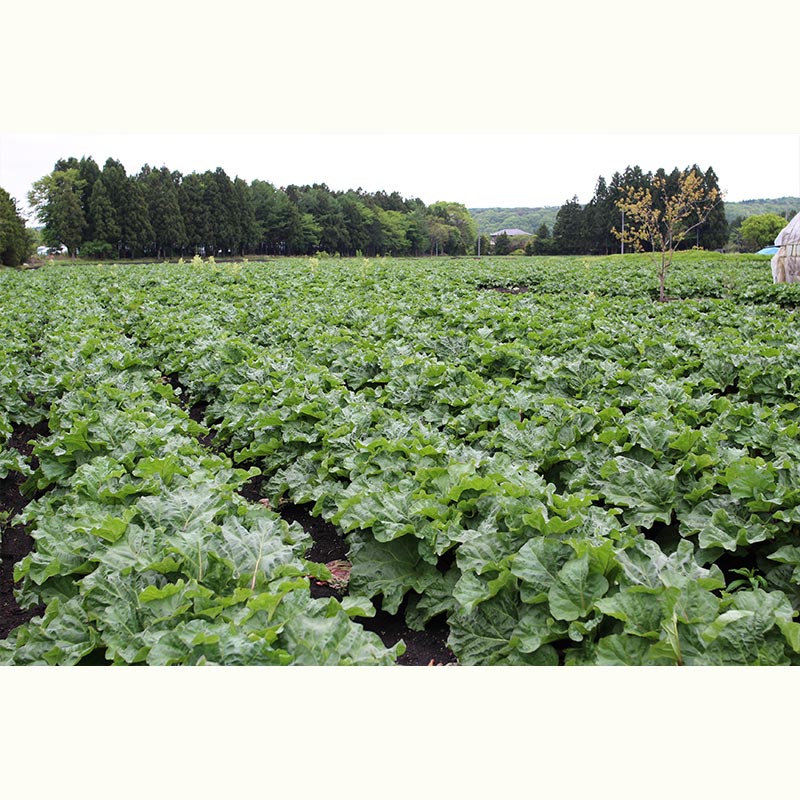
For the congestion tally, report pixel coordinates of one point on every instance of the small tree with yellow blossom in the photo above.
(663, 216)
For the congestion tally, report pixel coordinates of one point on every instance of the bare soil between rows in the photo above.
(15, 543)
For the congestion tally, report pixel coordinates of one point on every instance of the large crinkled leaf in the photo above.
(69, 536)
(537, 564)
(576, 590)
(534, 629)
(166, 602)
(181, 509)
(650, 434)
(496, 632)
(750, 478)
(596, 524)
(694, 602)
(472, 589)
(623, 650)
(12, 461)
(388, 511)
(319, 633)
(102, 479)
(748, 633)
(788, 554)
(390, 569)
(258, 546)
(139, 548)
(729, 530)
(647, 495)
(488, 547)
(63, 636)
(722, 522)
(640, 608)
(644, 564)
(186, 517)
(113, 601)
(201, 642)
(438, 599)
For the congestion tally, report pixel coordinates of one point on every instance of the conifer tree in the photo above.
(16, 242)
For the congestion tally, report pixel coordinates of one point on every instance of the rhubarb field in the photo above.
(530, 451)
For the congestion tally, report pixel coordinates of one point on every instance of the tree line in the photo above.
(160, 213)
(594, 228)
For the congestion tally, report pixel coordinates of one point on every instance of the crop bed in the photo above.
(372, 462)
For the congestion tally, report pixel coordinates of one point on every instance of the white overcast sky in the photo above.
(479, 170)
(488, 105)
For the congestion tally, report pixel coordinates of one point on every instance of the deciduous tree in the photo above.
(56, 198)
(662, 216)
(760, 230)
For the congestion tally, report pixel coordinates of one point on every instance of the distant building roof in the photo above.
(511, 232)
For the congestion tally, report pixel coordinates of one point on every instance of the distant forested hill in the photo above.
(529, 219)
(526, 219)
(782, 206)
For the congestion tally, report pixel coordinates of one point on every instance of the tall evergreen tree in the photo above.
(15, 240)
(160, 190)
(105, 229)
(714, 232)
(89, 173)
(137, 232)
(502, 244)
(245, 218)
(220, 230)
(268, 204)
(191, 199)
(569, 231)
(357, 218)
(115, 182)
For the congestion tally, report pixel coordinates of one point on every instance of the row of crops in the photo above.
(567, 471)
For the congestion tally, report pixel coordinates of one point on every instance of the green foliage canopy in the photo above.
(760, 230)
(16, 242)
(160, 213)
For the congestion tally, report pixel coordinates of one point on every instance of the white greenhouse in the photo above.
(786, 262)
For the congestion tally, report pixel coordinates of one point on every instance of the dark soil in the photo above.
(15, 544)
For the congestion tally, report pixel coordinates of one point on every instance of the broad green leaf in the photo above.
(647, 495)
(750, 478)
(574, 593)
(166, 602)
(490, 635)
(389, 569)
(257, 546)
(623, 650)
(537, 564)
(317, 633)
(63, 636)
(639, 607)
